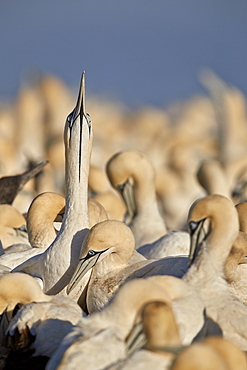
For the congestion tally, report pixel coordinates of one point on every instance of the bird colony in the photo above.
(123, 232)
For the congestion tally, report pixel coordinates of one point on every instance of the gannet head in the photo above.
(105, 238)
(125, 173)
(198, 234)
(78, 125)
(212, 219)
(16, 290)
(80, 109)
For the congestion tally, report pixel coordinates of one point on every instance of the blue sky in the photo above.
(136, 51)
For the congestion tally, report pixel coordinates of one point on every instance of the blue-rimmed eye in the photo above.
(88, 118)
(23, 228)
(193, 225)
(69, 118)
(121, 187)
(91, 253)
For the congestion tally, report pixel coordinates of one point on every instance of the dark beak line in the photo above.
(81, 101)
(80, 111)
(83, 94)
(88, 257)
(80, 105)
(89, 260)
(195, 237)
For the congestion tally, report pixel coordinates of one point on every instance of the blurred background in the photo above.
(163, 77)
(138, 52)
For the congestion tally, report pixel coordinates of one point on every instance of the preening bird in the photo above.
(214, 227)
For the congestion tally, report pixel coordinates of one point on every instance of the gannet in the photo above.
(55, 266)
(107, 250)
(133, 175)
(214, 227)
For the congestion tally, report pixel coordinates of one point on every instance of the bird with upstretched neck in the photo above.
(45, 209)
(55, 266)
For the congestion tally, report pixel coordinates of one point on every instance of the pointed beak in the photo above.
(197, 236)
(127, 192)
(136, 338)
(78, 124)
(80, 108)
(84, 265)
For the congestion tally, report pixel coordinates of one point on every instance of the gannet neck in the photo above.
(56, 265)
(174, 287)
(135, 165)
(77, 155)
(125, 305)
(132, 174)
(212, 177)
(221, 232)
(40, 217)
(75, 224)
(144, 181)
(96, 212)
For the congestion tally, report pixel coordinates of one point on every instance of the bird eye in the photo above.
(69, 118)
(23, 228)
(91, 253)
(121, 187)
(192, 225)
(88, 118)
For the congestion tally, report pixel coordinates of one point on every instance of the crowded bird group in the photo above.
(129, 250)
